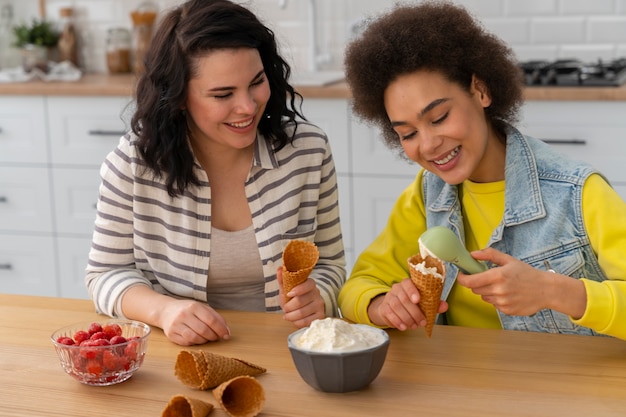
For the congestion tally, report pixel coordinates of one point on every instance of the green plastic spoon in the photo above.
(442, 243)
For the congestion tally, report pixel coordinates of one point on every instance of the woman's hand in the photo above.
(305, 302)
(516, 288)
(190, 322)
(399, 307)
(185, 322)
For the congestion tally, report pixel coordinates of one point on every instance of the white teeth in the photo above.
(449, 157)
(242, 124)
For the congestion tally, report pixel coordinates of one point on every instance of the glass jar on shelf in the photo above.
(119, 45)
(143, 22)
(67, 45)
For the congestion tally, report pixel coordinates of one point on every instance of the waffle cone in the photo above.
(205, 370)
(299, 259)
(181, 406)
(242, 396)
(429, 286)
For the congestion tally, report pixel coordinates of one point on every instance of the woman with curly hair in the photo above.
(552, 231)
(219, 173)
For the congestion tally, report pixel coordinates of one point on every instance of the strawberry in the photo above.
(131, 350)
(80, 336)
(111, 330)
(123, 363)
(116, 340)
(98, 335)
(99, 342)
(110, 360)
(94, 328)
(89, 348)
(64, 340)
(94, 367)
(87, 352)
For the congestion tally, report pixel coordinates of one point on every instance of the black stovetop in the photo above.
(573, 72)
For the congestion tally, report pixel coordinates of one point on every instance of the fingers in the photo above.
(190, 323)
(493, 255)
(210, 324)
(399, 307)
(303, 317)
(305, 305)
(475, 281)
(301, 289)
(514, 287)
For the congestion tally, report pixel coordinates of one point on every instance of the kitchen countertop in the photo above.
(122, 85)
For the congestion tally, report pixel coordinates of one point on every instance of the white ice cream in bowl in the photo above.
(335, 335)
(333, 355)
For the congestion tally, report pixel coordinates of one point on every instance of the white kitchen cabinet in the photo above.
(332, 116)
(73, 254)
(23, 130)
(75, 195)
(28, 264)
(374, 197)
(25, 199)
(591, 131)
(49, 181)
(84, 130)
(378, 177)
(370, 155)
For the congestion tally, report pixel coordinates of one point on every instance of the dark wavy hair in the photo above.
(433, 36)
(186, 33)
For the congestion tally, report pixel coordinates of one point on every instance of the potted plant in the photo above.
(35, 41)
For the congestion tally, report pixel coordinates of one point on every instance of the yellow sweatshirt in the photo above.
(384, 261)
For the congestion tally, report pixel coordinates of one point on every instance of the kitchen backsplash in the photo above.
(536, 29)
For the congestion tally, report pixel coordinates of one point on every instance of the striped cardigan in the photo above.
(142, 236)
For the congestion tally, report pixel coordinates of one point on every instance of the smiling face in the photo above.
(226, 99)
(443, 127)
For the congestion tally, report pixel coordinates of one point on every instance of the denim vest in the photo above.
(542, 222)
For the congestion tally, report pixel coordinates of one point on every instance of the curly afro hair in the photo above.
(436, 36)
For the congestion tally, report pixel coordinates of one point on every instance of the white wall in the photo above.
(536, 29)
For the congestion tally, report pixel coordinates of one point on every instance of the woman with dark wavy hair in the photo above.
(446, 93)
(220, 171)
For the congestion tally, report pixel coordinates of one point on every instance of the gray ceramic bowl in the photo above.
(338, 371)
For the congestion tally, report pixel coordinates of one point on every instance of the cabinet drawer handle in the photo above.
(3, 199)
(565, 141)
(99, 132)
(6, 267)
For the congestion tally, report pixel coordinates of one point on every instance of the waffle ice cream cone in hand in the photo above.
(428, 274)
(242, 396)
(205, 370)
(181, 406)
(299, 258)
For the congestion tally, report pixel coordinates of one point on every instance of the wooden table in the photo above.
(458, 372)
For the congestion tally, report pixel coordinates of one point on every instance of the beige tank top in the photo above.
(235, 280)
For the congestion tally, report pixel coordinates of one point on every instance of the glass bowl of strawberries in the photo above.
(102, 353)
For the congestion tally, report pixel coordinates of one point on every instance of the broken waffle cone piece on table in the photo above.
(429, 286)
(242, 396)
(205, 370)
(299, 259)
(182, 406)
